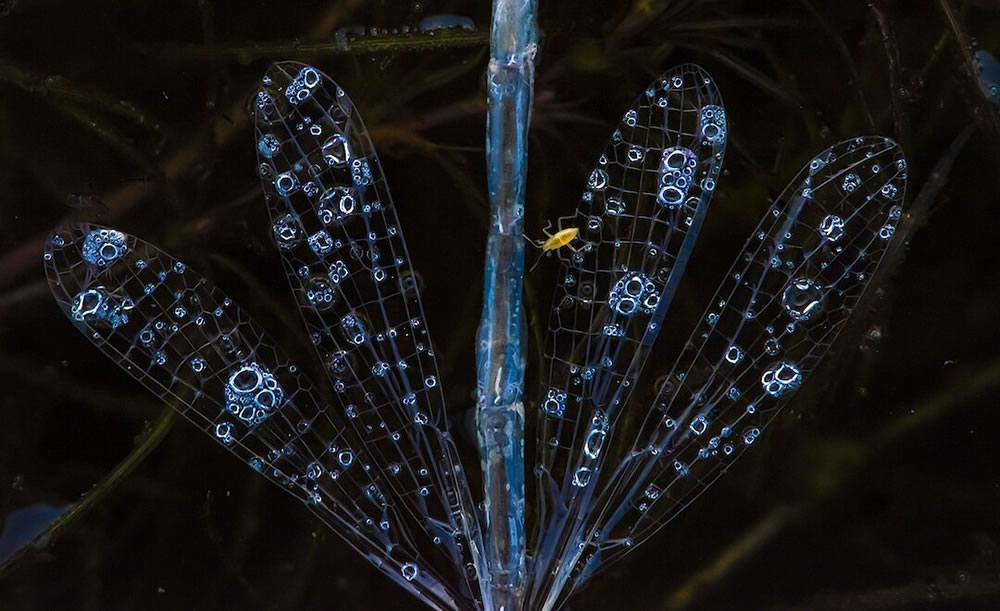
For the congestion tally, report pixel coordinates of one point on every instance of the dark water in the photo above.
(879, 487)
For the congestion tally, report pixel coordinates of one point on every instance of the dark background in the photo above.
(878, 487)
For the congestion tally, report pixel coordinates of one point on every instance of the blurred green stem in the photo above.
(850, 465)
(246, 52)
(109, 134)
(60, 88)
(99, 491)
(896, 88)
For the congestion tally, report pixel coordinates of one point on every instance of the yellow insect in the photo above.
(559, 239)
(562, 238)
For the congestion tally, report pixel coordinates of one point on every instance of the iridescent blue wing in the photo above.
(638, 219)
(199, 352)
(775, 315)
(343, 250)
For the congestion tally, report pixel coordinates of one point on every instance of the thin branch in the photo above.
(849, 466)
(896, 89)
(245, 52)
(61, 88)
(98, 492)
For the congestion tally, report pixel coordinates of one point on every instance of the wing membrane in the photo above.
(639, 217)
(773, 318)
(198, 351)
(343, 250)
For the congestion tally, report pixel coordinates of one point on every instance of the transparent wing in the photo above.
(343, 250)
(199, 352)
(638, 218)
(777, 312)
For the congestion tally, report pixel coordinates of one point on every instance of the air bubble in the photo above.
(354, 330)
(832, 227)
(712, 120)
(802, 298)
(632, 293)
(320, 292)
(851, 182)
(224, 432)
(300, 89)
(101, 305)
(286, 231)
(336, 151)
(252, 393)
(555, 403)
(102, 247)
(781, 378)
(677, 165)
(320, 243)
(338, 272)
(268, 145)
(595, 438)
(698, 425)
(598, 180)
(409, 571)
(734, 354)
(614, 206)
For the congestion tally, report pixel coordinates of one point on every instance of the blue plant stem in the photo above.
(500, 347)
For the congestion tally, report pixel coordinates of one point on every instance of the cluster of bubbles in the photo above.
(320, 243)
(427, 25)
(268, 146)
(301, 87)
(712, 123)
(354, 329)
(287, 231)
(102, 247)
(338, 271)
(555, 402)
(632, 293)
(336, 204)
(781, 378)
(99, 304)
(677, 165)
(252, 393)
(832, 227)
(319, 292)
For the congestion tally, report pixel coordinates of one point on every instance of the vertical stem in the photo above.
(500, 349)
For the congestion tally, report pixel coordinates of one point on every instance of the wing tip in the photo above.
(704, 81)
(285, 85)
